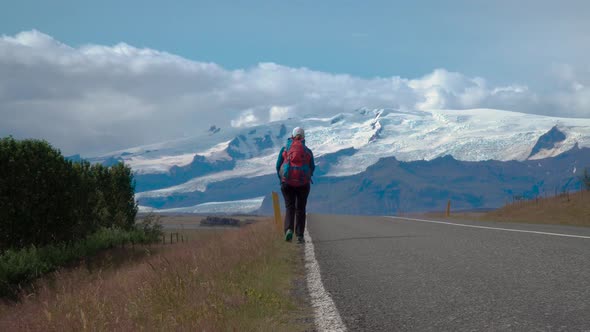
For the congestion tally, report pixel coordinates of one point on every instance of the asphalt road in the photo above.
(389, 274)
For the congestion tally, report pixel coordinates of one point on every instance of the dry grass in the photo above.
(219, 281)
(565, 209)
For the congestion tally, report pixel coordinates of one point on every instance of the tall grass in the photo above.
(237, 280)
(19, 267)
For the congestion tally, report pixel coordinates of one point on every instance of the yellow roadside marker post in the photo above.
(277, 209)
(448, 208)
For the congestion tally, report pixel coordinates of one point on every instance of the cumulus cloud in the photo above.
(574, 88)
(94, 98)
(245, 119)
(278, 113)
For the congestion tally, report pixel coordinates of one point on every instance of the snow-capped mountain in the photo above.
(344, 145)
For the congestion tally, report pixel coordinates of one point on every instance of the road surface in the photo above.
(387, 274)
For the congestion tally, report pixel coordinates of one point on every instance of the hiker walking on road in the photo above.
(295, 167)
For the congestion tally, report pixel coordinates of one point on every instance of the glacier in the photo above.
(367, 135)
(245, 206)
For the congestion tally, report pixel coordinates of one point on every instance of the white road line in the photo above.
(326, 316)
(493, 228)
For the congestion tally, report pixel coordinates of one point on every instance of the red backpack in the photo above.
(295, 170)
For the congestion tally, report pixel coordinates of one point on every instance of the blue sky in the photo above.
(95, 76)
(503, 41)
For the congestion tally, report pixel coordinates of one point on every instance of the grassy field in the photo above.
(220, 280)
(563, 209)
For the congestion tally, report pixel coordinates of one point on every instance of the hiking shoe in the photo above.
(300, 239)
(288, 235)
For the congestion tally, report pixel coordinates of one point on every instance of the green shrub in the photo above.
(47, 199)
(48, 203)
(150, 229)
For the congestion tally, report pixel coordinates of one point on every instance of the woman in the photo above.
(295, 168)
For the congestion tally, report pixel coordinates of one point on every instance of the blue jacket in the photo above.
(280, 158)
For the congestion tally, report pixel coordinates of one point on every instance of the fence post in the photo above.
(277, 209)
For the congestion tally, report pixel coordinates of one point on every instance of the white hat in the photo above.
(298, 131)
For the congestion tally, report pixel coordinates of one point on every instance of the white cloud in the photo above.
(97, 98)
(245, 119)
(278, 113)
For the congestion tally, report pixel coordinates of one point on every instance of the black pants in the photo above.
(295, 202)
